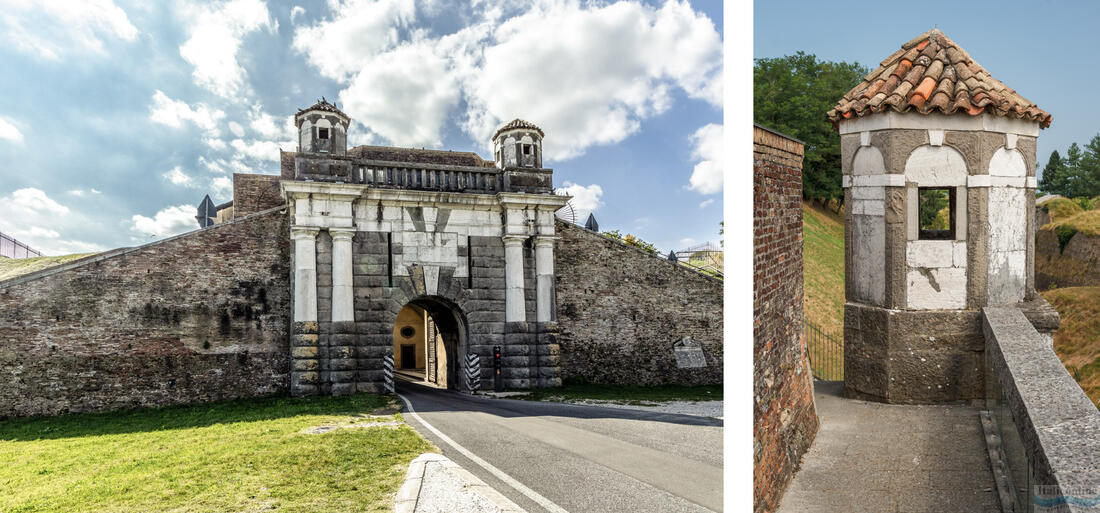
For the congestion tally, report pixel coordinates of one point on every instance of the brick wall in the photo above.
(620, 310)
(198, 317)
(253, 193)
(784, 418)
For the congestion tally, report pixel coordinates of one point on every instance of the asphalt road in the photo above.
(560, 457)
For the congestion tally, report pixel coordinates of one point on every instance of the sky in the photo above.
(1043, 49)
(118, 116)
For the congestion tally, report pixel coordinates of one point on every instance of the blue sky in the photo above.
(118, 116)
(1045, 50)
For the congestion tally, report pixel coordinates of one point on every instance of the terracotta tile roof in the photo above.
(519, 123)
(933, 74)
(324, 105)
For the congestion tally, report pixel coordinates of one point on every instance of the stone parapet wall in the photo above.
(784, 417)
(253, 193)
(1049, 429)
(200, 317)
(620, 310)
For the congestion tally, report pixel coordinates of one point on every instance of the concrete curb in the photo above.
(409, 494)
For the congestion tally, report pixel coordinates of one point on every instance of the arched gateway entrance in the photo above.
(429, 334)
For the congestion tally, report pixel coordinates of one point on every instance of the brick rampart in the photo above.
(784, 418)
(253, 193)
(198, 317)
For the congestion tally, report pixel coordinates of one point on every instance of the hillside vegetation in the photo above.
(1086, 222)
(823, 267)
(13, 267)
(1077, 341)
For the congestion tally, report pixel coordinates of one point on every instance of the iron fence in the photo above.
(826, 352)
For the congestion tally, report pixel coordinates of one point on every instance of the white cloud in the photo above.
(706, 203)
(268, 126)
(687, 241)
(342, 46)
(706, 178)
(585, 200)
(173, 113)
(31, 216)
(214, 143)
(587, 74)
(236, 129)
(296, 11)
(215, 39)
(178, 177)
(54, 29)
(10, 132)
(259, 150)
(167, 222)
(222, 187)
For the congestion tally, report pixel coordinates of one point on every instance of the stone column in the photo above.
(515, 305)
(343, 296)
(544, 271)
(304, 363)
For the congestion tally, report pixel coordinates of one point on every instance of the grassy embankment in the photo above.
(625, 394)
(1077, 340)
(12, 267)
(246, 455)
(823, 267)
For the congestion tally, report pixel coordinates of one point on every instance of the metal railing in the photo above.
(826, 352)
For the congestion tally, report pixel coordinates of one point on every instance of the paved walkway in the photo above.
(892, 458)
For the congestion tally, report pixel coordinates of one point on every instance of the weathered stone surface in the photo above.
(154, 325)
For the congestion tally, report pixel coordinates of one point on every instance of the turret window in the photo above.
(936, 213)
(526, 149)
(322, 133)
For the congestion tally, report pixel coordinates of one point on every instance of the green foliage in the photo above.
(1062, 208)
(931, 203)
(791, 94)
(1084, 203)
(1075, 176)
(632, 240)
(1065, 233)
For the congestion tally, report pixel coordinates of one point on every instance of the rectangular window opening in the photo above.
(526, 149)
(936, 213)
(322, 133)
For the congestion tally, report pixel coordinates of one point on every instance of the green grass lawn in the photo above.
(247, 455)
(625, 394)
(12, 267)
(823, 282)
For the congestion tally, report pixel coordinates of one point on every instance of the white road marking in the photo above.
(531, 494)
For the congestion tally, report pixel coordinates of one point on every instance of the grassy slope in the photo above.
(823, 267)
(1077, 340)
(11, 267)
(247, 455)
(1087, 222)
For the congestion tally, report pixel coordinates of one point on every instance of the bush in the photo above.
(1065, 233)
(1084, 203)
(631, 240)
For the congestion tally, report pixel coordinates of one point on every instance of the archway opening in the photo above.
(428, 335)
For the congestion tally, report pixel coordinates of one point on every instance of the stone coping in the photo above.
(99, 257)
(1057, 423)
(421, 165)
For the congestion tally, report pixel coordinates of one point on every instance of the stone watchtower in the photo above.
(938, 162)
(466, 243)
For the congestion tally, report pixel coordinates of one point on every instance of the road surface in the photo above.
(554, 457)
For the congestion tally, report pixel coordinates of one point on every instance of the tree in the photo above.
(1054, 178)
(1073, 169)
(1090, 169)
(791, 94)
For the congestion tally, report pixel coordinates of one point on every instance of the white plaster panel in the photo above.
(936, 289)
(868, 256)
(1007, 219)
(1007, 281)
(869, 193)
(1007, 162)
(876, 180)
(869, 207)
(912, 207)
(959, 254)
(930, 253)
(1008, 181)
(935, 166)
(868, 161)
(977, 181)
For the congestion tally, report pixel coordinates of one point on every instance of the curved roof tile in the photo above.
(930, 74)
(519, 123)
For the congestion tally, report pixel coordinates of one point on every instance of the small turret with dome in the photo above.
(322, 128)
(518, 144)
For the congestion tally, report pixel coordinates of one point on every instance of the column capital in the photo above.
(304, 232)
(513, 239)
(546, 240)
(341, 233)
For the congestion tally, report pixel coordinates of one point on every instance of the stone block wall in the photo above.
(784, 417)
(620, 310)
(199, 317)
(253, 193)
